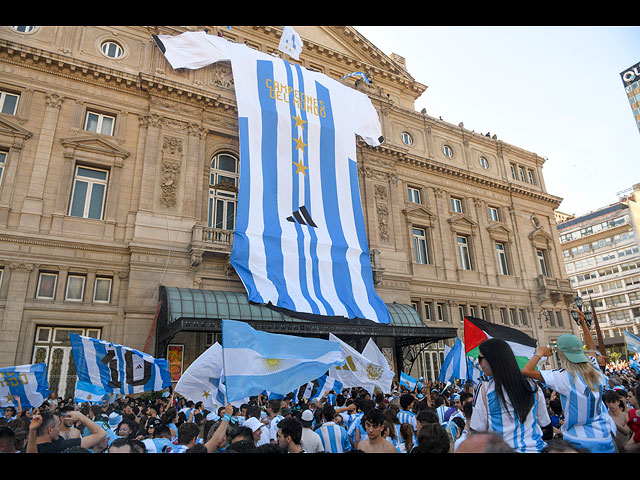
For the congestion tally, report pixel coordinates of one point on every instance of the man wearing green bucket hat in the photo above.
(580, 385)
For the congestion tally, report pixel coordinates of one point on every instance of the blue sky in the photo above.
(555, 91)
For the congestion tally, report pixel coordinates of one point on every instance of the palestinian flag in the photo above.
(477, 331)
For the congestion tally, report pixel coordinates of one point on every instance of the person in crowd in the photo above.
(290, 434)
(311, 441)
(580, 385)
(375, 442)
(44, 433)
(335, 438)
(508, 403)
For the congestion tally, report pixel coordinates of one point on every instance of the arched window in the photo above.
(223, 191)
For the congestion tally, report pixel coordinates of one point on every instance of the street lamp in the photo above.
(588, 314)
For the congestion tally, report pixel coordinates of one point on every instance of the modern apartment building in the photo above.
(602, 259)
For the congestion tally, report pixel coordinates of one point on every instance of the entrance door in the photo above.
(53, 347)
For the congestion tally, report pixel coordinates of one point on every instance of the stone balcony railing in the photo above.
(554, 289)
(209, 240)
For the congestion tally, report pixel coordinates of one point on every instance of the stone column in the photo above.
(12, 320)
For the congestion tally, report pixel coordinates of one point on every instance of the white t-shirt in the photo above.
(311, 442)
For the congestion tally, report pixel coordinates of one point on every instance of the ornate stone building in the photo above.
(118, 191)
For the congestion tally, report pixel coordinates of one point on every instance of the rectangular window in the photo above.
(46, 285)
(463, 252)
(440, 308)
(75, 288)
(532, 178)
(512, 317)
(523, 318)
(513, 172)
(427, 311)
(420, 246)
(483, 314)
(222, 209)
(89, 192)
(3, 163)
(494, 214)
(102, 290)
(503, 316)
(502, 258)
(461, 312)
(414, 195)
(99, 123)
(522, 177)
(8, 102)
(456, 205)
(542, 261)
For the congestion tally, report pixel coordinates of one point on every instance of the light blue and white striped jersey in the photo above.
(299, 240)
(273, 428)
(334, 438)
(586, 419)
(441, 410)
(490, 416)
(405, 416)
(158, 445)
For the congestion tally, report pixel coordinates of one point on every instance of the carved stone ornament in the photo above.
(169, 183)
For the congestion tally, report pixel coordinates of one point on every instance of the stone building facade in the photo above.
(119, 176)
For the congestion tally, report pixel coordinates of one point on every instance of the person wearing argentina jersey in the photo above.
(508, 403)
(580, 385)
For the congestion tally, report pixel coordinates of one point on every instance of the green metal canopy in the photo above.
(197, 310)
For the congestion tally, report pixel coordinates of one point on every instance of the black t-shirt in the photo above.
(59, 445)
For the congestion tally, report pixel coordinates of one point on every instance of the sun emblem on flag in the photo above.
(374, 372)
(272, 364)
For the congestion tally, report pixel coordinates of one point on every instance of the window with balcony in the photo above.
(542, 262)
(223, 191)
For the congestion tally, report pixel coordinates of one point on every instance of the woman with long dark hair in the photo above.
(508, 403)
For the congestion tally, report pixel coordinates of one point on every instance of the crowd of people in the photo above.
(576, 408)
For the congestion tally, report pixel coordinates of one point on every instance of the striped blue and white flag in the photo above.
(633, 342)
(408, 381)
(299, 242)
(454, 365)
(255, 361)
(28, 383)
(290, 42)
(116, 368)
(90, 393)
(357, 74)
(203, 380)
(318, 388)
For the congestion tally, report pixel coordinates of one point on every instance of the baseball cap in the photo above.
(307, 416)
(571, 346)
(253, 423)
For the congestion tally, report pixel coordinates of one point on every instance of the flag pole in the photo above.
(603, 350)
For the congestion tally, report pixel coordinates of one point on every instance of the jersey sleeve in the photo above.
(367, 122)
(192, 49)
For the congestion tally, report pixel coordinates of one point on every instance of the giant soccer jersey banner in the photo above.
(300, 242)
